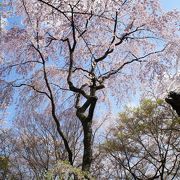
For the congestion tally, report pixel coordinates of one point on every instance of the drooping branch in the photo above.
(25, 8)
(53, 107)
(50, 39)
(81, 33)
(56, 8)
(121, 40)
(61, 88)
(86, 25)
(71, 60)
(108, 74)
(31, 86)
(19, 64)
(75, 12)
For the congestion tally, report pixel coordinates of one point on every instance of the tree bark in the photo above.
(86, 121)
(87, 154)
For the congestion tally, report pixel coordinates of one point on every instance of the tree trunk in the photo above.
(87, 154)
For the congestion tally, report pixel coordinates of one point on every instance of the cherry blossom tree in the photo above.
(78, 53)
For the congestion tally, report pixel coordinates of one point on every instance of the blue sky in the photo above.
(170, 4)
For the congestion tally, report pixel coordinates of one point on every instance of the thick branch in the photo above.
(121, 40)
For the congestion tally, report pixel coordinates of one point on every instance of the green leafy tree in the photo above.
(4, 165)
(145, 143)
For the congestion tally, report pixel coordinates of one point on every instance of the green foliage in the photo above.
(4, 163)
(4, 166)
(63, 170)
(146, 136)
(149, 117)
(160, 101)
(147, 107)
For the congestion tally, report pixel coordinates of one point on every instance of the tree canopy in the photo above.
(145, 143)
(70, 60)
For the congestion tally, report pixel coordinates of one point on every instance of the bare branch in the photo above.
(53, 107)
(80, 69)
(87, 22)
(136, 59)
(33, 87)
(64, 89)
(121, 40)
(19, 64)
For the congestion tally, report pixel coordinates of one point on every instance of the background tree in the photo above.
(6, 151)
(66, 52)
(145, 142)
(39, 148)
